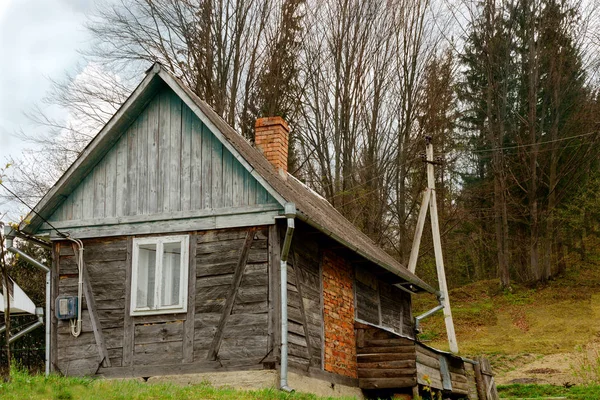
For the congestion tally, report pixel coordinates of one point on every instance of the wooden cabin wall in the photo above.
(305, 308)
(167, 161)
(226, 325)
(379, 303)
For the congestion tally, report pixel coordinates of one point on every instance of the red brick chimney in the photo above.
(271, 137)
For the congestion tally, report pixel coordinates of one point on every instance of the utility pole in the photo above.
(429, 199)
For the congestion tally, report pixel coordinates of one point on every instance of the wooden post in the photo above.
(429, 198)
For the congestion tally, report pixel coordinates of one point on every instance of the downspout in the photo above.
(39, 265)
(290, 214)
(421, 317)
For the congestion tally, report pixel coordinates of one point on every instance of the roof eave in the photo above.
(412, 279)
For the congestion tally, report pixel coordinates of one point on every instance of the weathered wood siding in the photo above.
(226, 323)
(166, 162)
(379, 303)
(305, 308)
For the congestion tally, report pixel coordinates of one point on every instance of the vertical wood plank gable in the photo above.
(142, 155)
(166, 161)
(164, 153)
(132, 163)
(175, 154)
(121, 197)
(186, 158)
(153, 140)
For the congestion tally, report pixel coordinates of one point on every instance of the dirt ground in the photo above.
(564, 369)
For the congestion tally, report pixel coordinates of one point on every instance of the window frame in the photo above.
(159, 241)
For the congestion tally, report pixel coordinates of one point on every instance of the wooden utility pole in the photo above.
(429, 199)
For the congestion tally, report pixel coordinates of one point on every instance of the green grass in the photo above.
(24, 386)
(542, 391)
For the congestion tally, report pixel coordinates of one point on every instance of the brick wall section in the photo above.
(271, 137)
(338, 302)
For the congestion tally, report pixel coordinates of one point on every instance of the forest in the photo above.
(507, 90)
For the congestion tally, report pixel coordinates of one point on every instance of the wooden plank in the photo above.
(99, 188)
(177, 369)
(274, 327)
(54, 273)
(399, 341)
(386, 383)
(188, 328)
(159, 333)
(368, 358)
(132, 167)
(158, 353)
(93, 312)
(186, 159)
(299, 282)
(207, 139)
(238, 184)
(217, 174)
(121, 197)
(153, 135)
(391, 349)
(237, 279)
(143, 161)
(386, 372)
(175, 155)
(397, 364)
(128, 325)
(164, 153)
(227, 179)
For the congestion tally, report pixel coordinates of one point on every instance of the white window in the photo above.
(159, 275)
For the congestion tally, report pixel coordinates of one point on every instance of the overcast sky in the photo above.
(38, 39)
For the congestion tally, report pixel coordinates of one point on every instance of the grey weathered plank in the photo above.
(128, 324)
(186, 158)
(132, 167)
(237, 279)
(142, 159)
(158, 333)
(164, 153)
(189, 324)
(93, 313)
(152, 134)
(227, 179)
(207, 162)
(274, 327)
(217, 174)
(158, 353)
(54, 276)
(121, 197)
(299, 283)
(196, 162)
(175, 154)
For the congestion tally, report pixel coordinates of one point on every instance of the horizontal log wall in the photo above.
(226, 325)
(385, 360)
(379, 303)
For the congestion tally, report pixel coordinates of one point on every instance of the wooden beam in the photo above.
(273, 341)
(93, 311)
(128, 324)
(297, 274)
(237, 280)
(188, 325)
(53, 294)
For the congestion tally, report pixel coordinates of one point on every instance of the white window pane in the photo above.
(171, 274)
(146, 275)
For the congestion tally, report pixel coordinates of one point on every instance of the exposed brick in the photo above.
(271, 137)
(338, 300)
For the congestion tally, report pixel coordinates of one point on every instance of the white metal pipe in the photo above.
(290, 213)
(36, 263)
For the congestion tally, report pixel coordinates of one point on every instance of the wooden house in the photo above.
(188, 231)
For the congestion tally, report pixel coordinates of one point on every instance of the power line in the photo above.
(533, 144)
(32, 210)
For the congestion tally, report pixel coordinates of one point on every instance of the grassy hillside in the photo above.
(517, 327)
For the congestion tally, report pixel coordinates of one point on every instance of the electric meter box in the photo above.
(66, 307)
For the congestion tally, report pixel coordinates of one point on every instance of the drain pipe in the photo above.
(39, 265)
(421, 317)
(290, 214)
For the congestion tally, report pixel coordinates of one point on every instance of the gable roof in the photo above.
(311, 208)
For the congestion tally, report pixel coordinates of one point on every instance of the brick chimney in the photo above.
(271, 137)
